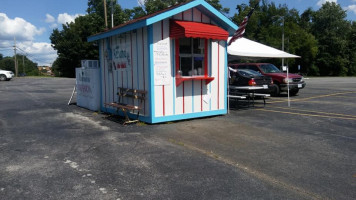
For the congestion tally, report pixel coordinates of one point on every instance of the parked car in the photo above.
(6, 75)
(280, 80)
(247, 77)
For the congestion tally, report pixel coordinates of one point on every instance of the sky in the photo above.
(31, 22)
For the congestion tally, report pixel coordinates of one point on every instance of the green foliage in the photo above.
(267, 24)
(135, 13)
(331, 29)
(7, 63)
(71, 42)
(72, 46)
(216, 4)
(323, 38)
(351, 68)
(152, 6)
(25, 65)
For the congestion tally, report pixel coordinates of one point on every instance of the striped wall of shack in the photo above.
(127, 60)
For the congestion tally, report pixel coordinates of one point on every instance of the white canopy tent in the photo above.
(243, 47)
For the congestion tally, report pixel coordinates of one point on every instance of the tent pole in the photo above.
(288, 85)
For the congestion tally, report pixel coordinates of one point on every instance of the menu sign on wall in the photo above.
(162, 65)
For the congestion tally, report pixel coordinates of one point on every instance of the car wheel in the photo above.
(294, 92)
(2, 77)
(275, 90)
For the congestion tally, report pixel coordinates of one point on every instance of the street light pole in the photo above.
(112, 13)
(282, 38)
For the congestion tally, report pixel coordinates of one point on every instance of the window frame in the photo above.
(192, 55)
(180, 79)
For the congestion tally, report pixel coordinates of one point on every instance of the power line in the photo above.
(33, 58)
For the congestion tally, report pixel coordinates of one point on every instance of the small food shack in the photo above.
(177, 57)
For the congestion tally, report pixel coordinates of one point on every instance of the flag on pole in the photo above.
(241, 30)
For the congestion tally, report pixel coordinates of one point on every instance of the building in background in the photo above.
(45, 70)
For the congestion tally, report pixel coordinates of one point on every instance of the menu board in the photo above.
(162, 66)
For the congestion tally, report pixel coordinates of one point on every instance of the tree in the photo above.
(97, 7)
(306, 19)
(267, 24)
(7, 63)
(135, 13)
(352, 50)
(26, 66)
(152, 6)
(330, 28)
(216, 4)
(1, 56)
(71, 43)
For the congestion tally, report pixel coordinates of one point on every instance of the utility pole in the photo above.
(16, 68)
(105, 13)
(23, 64)
(112, 13)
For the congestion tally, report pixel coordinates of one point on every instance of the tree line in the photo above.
(323, 38)
(24, 64)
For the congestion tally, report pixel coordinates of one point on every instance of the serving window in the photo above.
(191, 56)
(191, 48)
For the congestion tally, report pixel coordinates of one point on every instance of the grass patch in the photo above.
(141, 123)
(176, 142)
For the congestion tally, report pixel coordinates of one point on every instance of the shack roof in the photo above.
(204, 7)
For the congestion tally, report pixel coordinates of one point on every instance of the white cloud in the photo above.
(61, 19)
(17, 27)
(49, 18)
(25, 33)
(351, 8)
(140, 2)
(39, 52)
(66, 18)
(53, 26)
(321, 2)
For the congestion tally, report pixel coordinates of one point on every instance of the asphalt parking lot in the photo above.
(50, 150)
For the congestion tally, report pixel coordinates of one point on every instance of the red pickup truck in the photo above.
(280, 80)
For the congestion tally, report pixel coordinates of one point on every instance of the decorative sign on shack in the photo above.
(162, 62)
(177, 57)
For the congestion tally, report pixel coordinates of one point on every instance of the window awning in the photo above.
(180, 29)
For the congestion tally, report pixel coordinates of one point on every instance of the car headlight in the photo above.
(302, 79)
(286, 80)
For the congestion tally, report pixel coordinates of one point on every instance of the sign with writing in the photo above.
(162, 66)
(122, 58)
(88, 88)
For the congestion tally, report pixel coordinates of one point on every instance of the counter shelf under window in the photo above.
(192, 60)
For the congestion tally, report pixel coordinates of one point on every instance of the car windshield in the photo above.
(248, 72)
(269, 68)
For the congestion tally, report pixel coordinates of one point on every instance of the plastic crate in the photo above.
(90, 64)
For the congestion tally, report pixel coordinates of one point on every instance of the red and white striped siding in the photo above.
(134, 76)
(169, 100)
(188, 97)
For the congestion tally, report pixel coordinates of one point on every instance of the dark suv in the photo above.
(296, 82)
